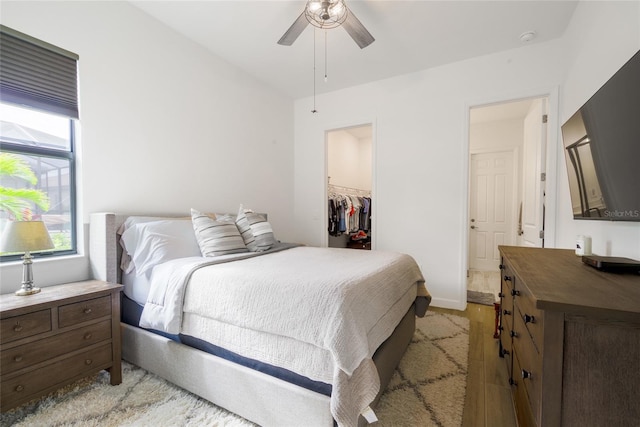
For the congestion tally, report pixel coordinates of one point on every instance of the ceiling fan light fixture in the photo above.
(326, 14)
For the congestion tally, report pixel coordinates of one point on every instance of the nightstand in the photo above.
(55, 337)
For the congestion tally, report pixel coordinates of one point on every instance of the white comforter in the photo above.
(316, 311)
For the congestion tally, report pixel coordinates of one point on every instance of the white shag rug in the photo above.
(427, 389)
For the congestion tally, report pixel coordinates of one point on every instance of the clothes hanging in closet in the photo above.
(348, 213)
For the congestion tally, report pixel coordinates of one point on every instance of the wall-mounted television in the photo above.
(602, 150)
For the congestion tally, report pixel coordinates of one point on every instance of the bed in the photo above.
(281, 335)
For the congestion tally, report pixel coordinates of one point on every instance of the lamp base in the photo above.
(23, 292)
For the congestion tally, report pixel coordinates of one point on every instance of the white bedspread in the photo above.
(316, 311)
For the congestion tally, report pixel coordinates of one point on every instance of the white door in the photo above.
(491, 208)
(532, 209)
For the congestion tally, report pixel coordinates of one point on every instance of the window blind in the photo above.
(37, 74)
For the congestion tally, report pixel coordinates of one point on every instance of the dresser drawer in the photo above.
(508, 280)
(529, 373)
(533, 319)
(16, 390)
(520, 397)
(71, 314)
(29, 354)
(26, 325)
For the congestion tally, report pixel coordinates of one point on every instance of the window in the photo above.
(38, 108)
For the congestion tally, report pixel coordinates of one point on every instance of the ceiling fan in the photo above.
(327, 14)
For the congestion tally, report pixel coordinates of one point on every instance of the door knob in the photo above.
(473, 227)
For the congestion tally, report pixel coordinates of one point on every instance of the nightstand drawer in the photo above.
(57, 345)
(26, 325)
(72, 314)
(17, 389)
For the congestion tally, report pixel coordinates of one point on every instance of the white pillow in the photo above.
(156, 242)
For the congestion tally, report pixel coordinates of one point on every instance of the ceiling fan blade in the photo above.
(294, 31)
(357, 31)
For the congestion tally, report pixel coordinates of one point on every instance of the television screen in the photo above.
(602, 150)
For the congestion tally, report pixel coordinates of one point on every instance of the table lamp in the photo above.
(25, 236)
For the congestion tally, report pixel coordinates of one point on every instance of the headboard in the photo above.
(104, 248)
(104, 243)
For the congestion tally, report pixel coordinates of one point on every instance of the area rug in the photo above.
(427, 389)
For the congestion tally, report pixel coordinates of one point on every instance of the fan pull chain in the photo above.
(325, 55)
(314, 72)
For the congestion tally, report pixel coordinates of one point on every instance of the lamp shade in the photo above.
(25, 236)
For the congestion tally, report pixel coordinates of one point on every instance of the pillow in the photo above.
(155, 242)
(255, 230)
(216, 237)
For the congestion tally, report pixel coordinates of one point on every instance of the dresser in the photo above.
(570, 338)
(52, 338)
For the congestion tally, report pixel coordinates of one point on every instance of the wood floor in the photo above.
(488, 402)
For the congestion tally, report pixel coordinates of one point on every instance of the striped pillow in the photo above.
(255, 230)
(216, 237)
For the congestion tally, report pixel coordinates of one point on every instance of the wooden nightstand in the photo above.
(58, 336)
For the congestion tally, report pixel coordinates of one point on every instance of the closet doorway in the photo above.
(507, 149)
(349, 185)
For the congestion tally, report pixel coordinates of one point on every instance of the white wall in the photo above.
(421, 165)
(165, 125)
(601, 38)
(349, 160)
(420, 154)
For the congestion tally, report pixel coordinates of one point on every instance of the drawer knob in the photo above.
(515, 292)
(87, 310)
(500, 295)
(505, 352)
(17, 327)
(529, 319)
(507, 278)
(88, 361)
(87, 336)
(501, 328)
(17, 358)
(19, 388)
(512, 381)
(501, 267)
(525, 374)
(506, 312)
(513, 334)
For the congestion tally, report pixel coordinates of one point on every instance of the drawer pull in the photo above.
(500, 295)
(87, 310)
(512, 382)
(507, 278)
(506, 312)
(17, 358)
(17, 327)
(87, 336)
(501, 267)
(529, 319)
(505, 352)
(525, 374)
(88, 361)
(515, 293)
(19, 388)
(501, 328)
(513, 334)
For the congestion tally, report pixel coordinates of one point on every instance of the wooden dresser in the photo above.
(570, 336)
(57, 336)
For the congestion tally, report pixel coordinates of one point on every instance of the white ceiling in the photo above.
(410, 36)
